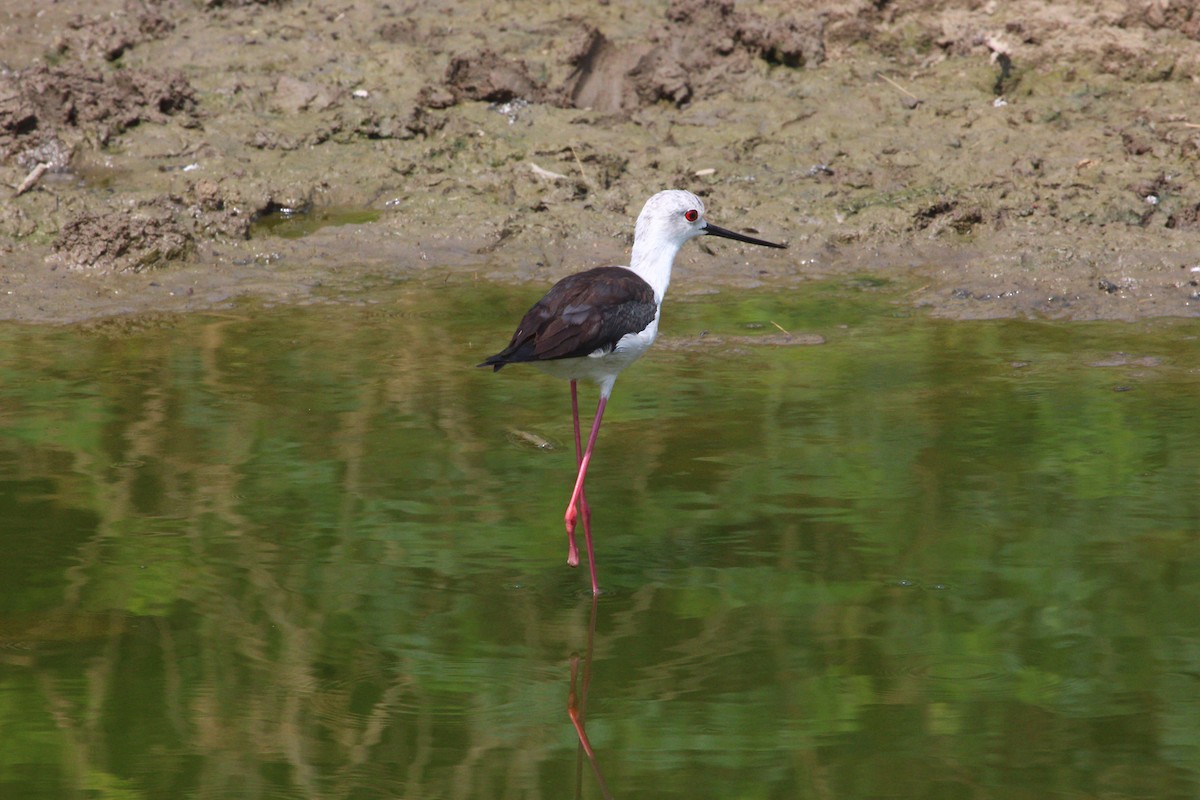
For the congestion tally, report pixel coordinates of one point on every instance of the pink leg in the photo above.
(572, 549)
(576, 496)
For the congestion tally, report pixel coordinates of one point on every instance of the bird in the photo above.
(593, 324)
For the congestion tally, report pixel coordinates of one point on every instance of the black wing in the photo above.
(580, 314)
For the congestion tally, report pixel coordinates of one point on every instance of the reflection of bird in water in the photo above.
(596, 323)
(577, 711)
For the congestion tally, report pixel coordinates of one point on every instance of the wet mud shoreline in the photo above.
(1005, 159)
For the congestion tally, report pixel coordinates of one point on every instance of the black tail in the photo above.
(496, 362)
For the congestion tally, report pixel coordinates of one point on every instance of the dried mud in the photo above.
(994, 158)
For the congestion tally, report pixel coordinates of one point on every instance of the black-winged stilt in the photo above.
(596, 323)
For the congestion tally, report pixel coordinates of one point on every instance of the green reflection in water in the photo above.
(315, 552)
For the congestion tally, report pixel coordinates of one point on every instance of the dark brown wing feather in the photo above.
(580, 314)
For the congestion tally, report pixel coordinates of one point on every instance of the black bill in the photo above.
(713, 230)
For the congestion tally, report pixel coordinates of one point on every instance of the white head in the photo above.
(669, 219)
(673, 216)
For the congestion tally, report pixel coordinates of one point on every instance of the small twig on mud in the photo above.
(545, 173)
(32, 178)
(897, 86)
(1191, 124)
(582, 171)
(777, 325)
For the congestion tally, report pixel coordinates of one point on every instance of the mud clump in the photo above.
(376, 125)
(293, 95)
(600, 78)
(1179, 15)
(112, 36)
(120, 241)
(946, 215)
(717, 27)
(214, 215)
(489, 77)
(42, 104)
(225, 211)
(702, 47)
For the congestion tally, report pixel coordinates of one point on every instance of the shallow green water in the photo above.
(296, 223)
(315, 553)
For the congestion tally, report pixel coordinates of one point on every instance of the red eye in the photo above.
(692, 215)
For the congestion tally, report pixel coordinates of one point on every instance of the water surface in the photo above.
(313, 552)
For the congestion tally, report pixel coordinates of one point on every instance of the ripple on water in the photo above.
(960, 670)
(938, 677)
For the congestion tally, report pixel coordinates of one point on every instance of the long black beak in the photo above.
(713, 230)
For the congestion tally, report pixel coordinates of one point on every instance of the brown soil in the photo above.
(1001, 158)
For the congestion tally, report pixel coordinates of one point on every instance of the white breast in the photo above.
(603, 366)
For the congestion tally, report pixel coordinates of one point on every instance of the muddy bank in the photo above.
(1003, 159)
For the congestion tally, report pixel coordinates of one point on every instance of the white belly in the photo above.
(603, 367)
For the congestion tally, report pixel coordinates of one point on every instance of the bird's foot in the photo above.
(572, 548)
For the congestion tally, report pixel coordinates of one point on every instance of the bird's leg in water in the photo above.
(572, 548)
(570, 517)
